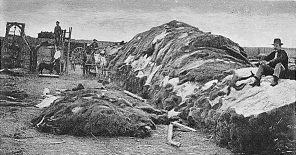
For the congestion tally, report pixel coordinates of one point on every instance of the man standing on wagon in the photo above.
(57, 33)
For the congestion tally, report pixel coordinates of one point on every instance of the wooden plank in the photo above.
(49, 75)
(134, 95)
(183, 126)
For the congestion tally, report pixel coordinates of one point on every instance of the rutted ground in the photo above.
(17, 135)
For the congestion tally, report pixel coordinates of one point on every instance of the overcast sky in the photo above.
(247, 22)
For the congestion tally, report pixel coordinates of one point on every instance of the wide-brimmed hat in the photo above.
(94, 39)
(277, 41)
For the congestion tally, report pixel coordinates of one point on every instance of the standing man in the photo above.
(57, 60)
(57, 33)
(275, 64)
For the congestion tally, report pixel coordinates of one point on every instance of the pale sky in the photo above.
(247, 22)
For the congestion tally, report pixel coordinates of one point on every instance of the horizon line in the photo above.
(131, 39)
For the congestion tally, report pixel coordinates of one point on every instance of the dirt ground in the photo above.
(17, 136)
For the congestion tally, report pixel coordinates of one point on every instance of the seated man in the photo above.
(276, 64)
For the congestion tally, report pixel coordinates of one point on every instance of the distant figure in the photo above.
(94, 45)
(57, 58)
(72, 62)
(57, 33)
(276, 64)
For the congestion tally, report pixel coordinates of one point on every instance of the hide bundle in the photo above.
(95, 113)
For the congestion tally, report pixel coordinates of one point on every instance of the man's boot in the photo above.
(275, 81)
(256, 82)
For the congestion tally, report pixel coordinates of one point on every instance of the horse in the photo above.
(101, 63)
(88, 61)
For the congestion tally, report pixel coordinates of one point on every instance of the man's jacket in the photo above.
(282, 57)
(57, 30)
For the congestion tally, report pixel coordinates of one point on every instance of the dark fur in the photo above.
(48, 66)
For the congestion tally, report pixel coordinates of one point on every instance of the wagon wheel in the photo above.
(77, 55)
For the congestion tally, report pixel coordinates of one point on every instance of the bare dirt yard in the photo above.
(17, 136)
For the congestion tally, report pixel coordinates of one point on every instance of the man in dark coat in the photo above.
(57, 33)
(94, 45)
(276, 64)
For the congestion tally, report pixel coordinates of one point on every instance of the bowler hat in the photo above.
(277, 41)
(57, 22)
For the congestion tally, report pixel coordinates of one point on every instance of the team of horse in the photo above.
(94, 60)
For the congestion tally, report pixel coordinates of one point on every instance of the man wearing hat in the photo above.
(94, 45)
(57, 33)
(275, 64)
